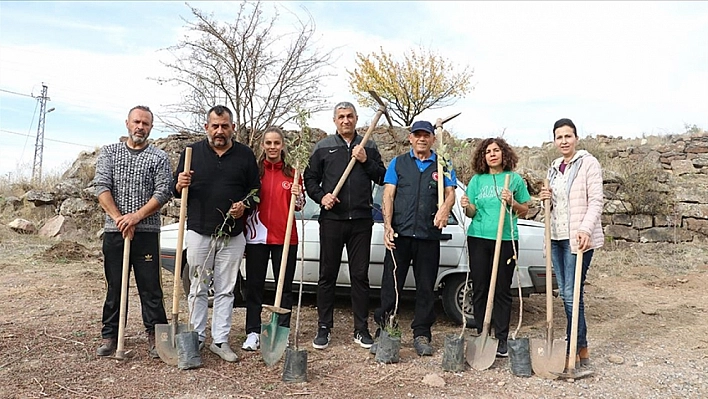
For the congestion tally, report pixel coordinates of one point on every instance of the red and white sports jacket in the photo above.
(267, 224)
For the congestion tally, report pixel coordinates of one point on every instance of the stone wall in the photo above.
(684, 161)
(681, 177)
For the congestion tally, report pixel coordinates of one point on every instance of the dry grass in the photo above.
(625, 259)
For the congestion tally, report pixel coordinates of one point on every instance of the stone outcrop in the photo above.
(680, 180)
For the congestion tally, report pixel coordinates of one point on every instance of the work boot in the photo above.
(108, 347)
(152, 351)
(422, 346)
(584, 355)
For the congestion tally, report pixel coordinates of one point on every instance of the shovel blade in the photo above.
(481, 352)
(165, 342)
(547, 360)
(574, 374)
(274, 340)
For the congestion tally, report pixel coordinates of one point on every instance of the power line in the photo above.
(57, 141)
(14, 92)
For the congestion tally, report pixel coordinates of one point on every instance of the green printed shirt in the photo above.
(484, 192)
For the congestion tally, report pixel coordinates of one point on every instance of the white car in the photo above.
(453, 258)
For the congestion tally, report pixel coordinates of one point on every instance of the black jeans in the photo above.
(425, 255)
(257, 256)
(334, 235)
(145, 262)
(481, 258)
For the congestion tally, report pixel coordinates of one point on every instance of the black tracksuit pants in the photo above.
(425, 257)
(257, 256)
(481, 252)
(334, 235)
(145, 262)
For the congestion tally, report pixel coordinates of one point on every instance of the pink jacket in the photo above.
(585, 197)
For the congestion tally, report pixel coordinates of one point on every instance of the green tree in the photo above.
(421, 80)
(262, 74)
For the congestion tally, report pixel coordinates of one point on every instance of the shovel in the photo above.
(121, 353)
(165, 334)
(441, 179)
(367, 135)
(571, 372)
(548, 356)
(482, 350)
(274, 338)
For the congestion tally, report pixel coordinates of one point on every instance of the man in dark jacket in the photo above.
(344, 220)
(412, 228)
(223, 182)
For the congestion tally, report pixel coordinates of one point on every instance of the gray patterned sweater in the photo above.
(133, 177)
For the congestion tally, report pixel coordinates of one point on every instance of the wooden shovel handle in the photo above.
(180, 237)
(441, 173)
(549, 266)
(123, 297)
(352, 161)
(576, 310)
(286, 243)
(495, 262)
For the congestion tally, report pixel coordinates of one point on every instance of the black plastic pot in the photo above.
(188, 356)
(295, 367)
(453, 353)
(388, 349)
(520, 357)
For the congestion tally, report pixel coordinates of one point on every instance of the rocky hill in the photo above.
(655, 188)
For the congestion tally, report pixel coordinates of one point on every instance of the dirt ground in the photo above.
(646, 306)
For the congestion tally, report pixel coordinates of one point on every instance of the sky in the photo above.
(616, 68)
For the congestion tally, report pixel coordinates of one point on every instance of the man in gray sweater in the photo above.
(132, 183)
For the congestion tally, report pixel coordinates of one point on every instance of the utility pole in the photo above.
(39, 142)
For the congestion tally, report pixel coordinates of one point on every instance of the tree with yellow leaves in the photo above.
(422, 80)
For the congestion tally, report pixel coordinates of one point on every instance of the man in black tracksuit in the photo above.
(412, 228)
(344, 220)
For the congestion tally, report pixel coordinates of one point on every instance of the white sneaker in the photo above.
(224, 352)
(252, 342)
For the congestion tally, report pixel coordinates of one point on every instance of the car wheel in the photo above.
(452, 299)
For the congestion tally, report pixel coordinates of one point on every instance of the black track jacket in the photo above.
(328, 161)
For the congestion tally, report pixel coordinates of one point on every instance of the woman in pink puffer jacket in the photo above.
(576, 196)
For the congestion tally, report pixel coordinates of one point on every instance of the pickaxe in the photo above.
(441, 177)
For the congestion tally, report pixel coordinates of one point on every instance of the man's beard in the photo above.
(136, 139)
(224, 138)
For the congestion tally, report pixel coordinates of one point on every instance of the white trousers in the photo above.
(216, 260)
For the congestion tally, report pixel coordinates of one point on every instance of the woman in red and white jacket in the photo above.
(265, 233)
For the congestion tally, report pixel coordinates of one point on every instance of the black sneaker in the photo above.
(321, 341)
(363, 338)
(502, 351)
(422, 346)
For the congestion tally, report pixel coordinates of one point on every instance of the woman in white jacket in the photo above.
(576, 196)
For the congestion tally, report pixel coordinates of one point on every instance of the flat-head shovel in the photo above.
(548, 356)
(482, 350)
(274, 338)
(441, 145)
(571, 372)
(121, 353)
(165, 334)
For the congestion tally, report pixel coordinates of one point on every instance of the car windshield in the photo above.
(312, 209)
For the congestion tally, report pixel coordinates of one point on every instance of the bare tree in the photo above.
(261, 75)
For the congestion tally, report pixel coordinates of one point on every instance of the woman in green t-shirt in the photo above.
(493, 160)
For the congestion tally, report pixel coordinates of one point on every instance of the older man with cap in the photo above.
(412, 230)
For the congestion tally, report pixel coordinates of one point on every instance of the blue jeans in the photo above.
(564, 267)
